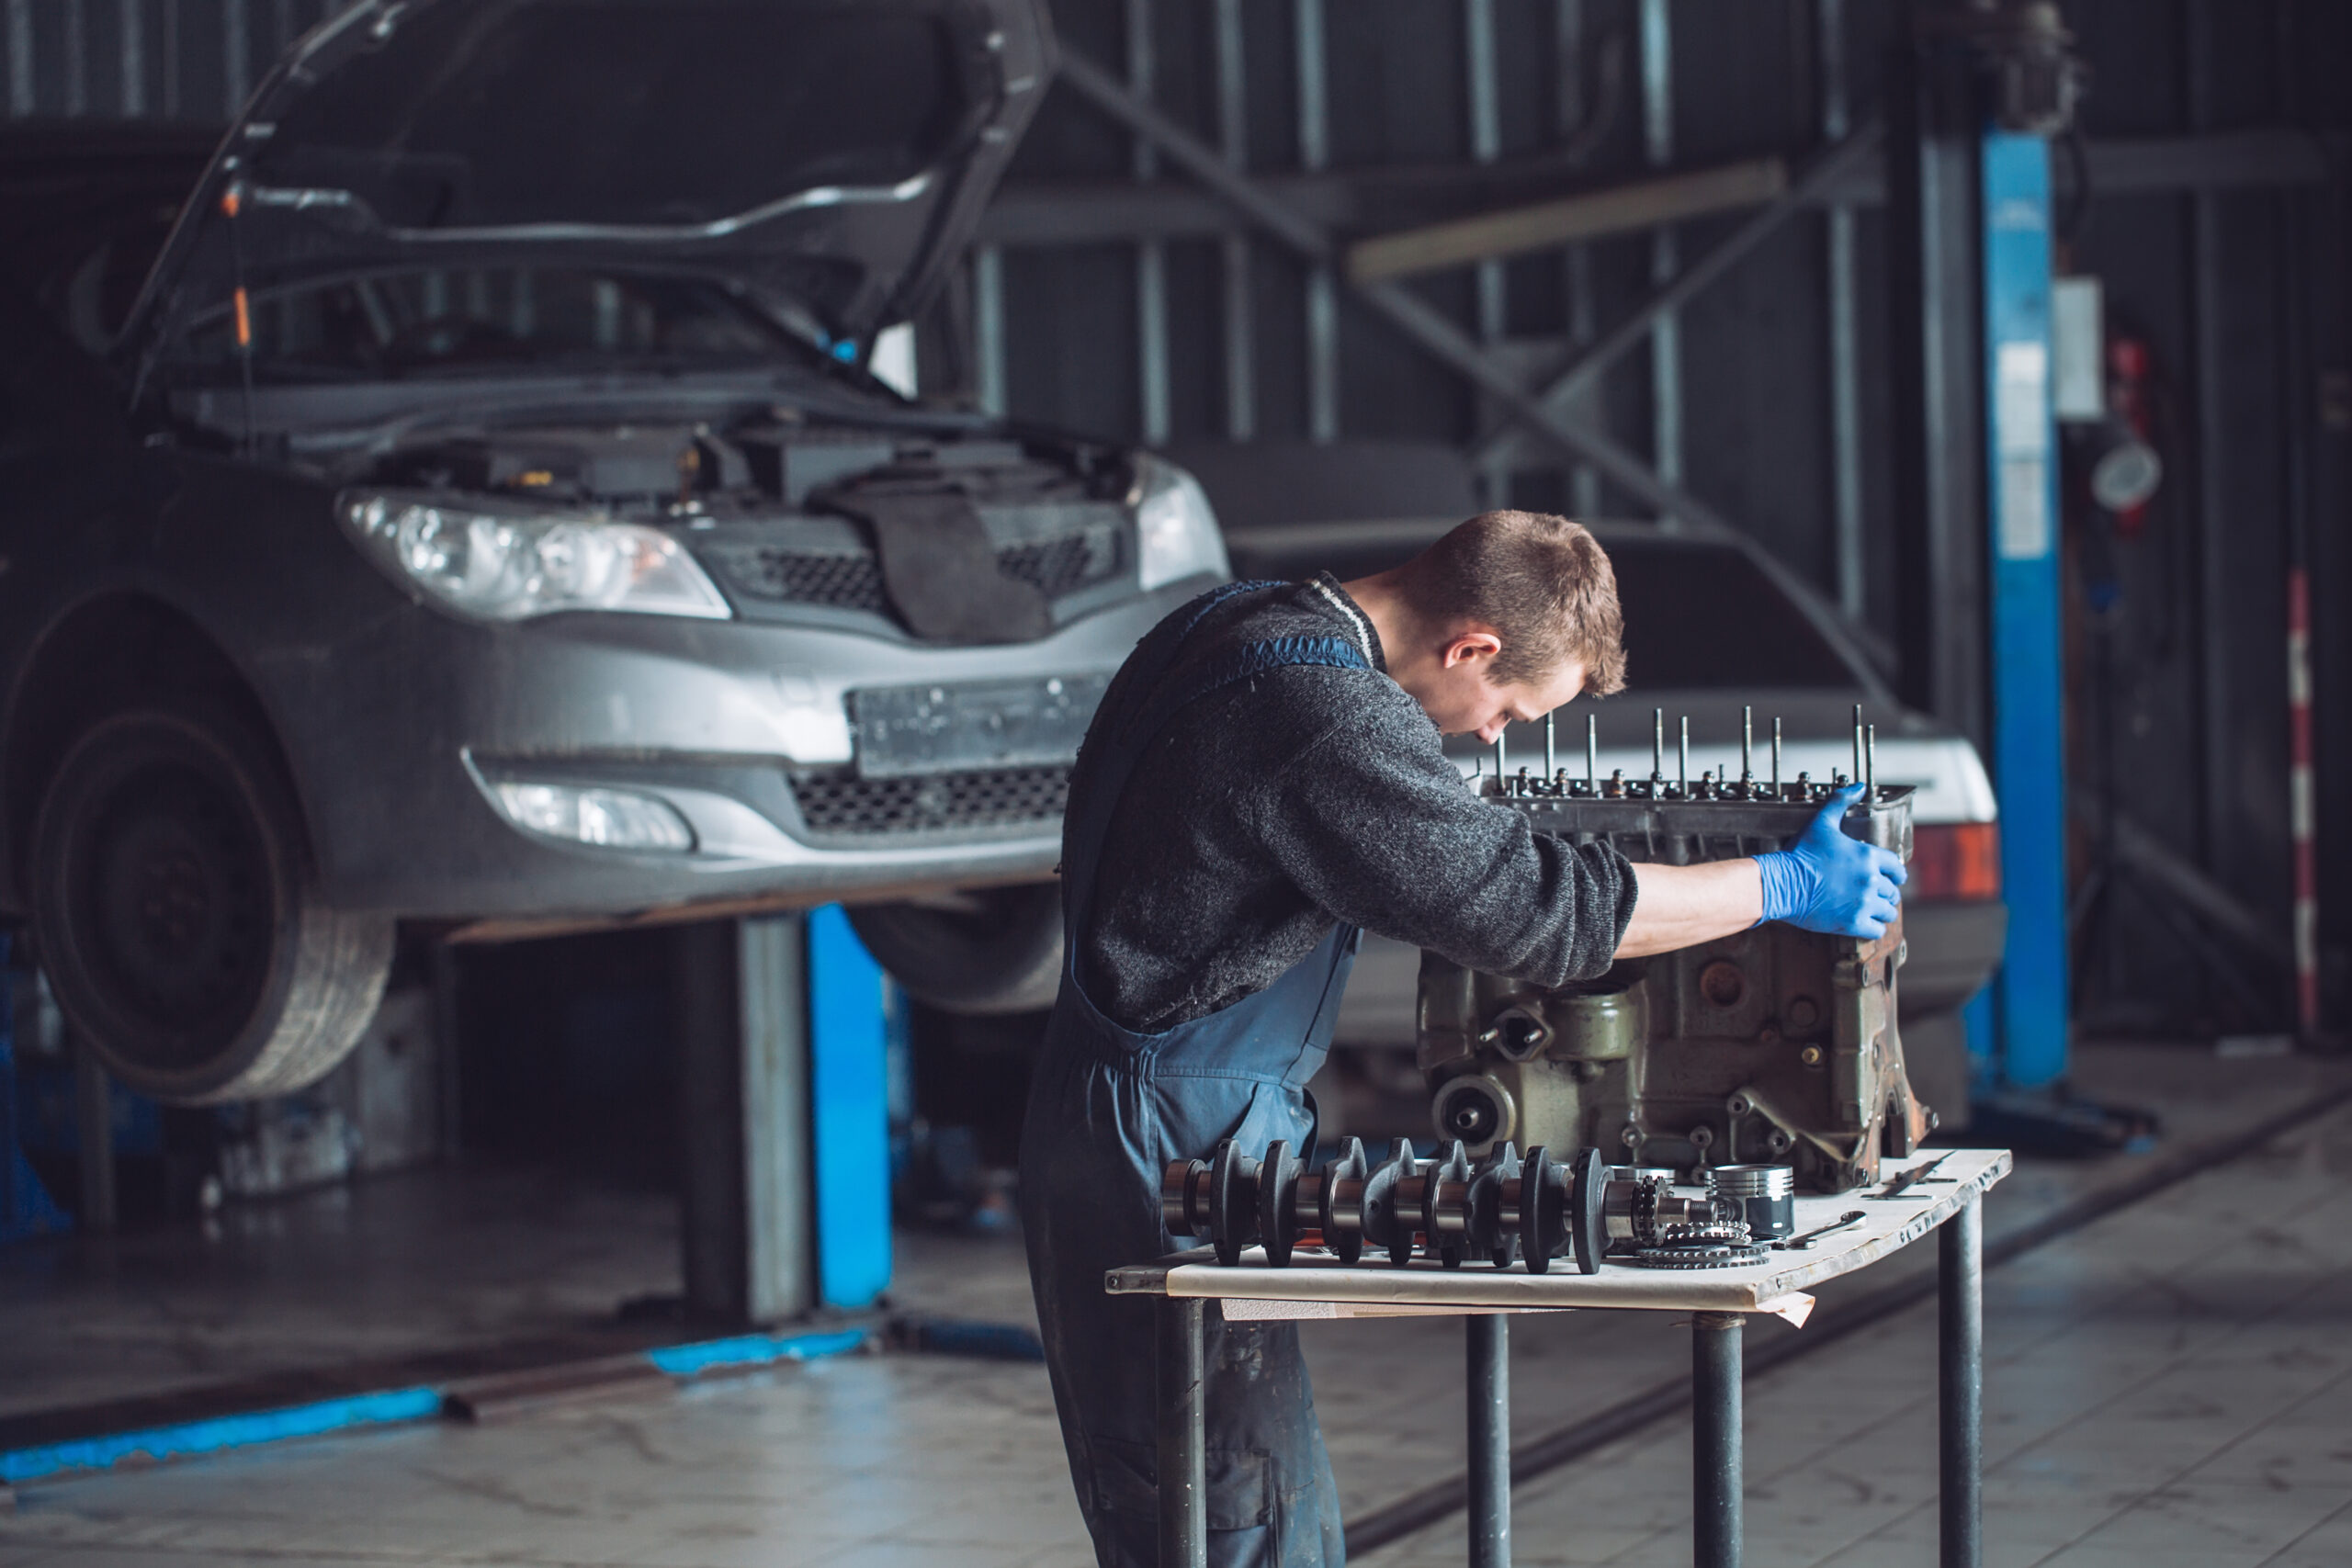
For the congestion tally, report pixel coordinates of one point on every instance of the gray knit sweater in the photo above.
(1264, 812)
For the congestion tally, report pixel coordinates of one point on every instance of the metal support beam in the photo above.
(1233, 134)
(1666, 251)
(1937, 511)
(748, 1245)
(1151, 254)
(1485, 146)
(988, 330)
(1620, 209)
(1572, 124)
(1845, 351)
(1041, 212)
(2217, 750)
(1322, 290)
(1423, 323)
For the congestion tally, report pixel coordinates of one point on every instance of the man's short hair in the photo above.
(1542, 582)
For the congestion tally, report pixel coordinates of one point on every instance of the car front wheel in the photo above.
(995, 950)
(177, 920)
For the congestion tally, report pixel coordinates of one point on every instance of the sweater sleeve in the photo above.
(1375, 824)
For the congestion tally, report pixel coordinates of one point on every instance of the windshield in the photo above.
(392, 324)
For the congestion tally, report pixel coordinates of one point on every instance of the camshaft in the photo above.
(1500, 1209)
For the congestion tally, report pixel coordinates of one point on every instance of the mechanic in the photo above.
(1265, 780)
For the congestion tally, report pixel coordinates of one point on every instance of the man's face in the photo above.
(1461, 697)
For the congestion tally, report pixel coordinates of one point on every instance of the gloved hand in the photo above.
(1832, 882)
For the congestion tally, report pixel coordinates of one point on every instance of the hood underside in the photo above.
(835, 153)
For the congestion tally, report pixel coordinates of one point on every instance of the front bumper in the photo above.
(398, 738)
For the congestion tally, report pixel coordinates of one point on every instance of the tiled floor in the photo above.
(2166, 1388)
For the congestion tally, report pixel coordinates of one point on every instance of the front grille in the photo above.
(1054, 567)
(803, 577)
(992, 797)
(852, 579)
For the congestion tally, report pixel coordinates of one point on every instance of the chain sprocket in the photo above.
(1722, 1244)
(1646, 1193)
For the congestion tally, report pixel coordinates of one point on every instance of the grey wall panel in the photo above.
(2141, 88)
(1387, 389)
(1741, 78)
(1070, 338)
(1758, 421)
(1397, 94)
(1196, 353)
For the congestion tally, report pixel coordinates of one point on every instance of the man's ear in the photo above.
(1472, 646)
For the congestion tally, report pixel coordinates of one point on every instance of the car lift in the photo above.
(1977, 94)
(784, 1043)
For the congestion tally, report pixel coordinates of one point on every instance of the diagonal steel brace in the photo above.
(1829, 168)
(1407, 313)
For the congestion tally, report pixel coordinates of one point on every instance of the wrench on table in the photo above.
(1800, 1243)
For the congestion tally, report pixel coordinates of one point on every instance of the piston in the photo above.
(1765, 1195)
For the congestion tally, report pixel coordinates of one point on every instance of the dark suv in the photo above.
(483, 515)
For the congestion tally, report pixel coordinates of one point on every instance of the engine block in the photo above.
(1775, 1045)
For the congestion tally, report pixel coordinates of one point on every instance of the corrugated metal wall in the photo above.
(165, 59)
(1764, 395)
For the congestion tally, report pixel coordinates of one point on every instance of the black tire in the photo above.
(1002, 956)
(177, 919)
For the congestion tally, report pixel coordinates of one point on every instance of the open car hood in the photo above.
(834, 152)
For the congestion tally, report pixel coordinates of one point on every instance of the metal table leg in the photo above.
(1488, 1358)
(1183, 1435)
(1716, 1369)
(1961, 1384)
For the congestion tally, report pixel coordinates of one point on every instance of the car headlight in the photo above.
(511, 566)
(1176, 533)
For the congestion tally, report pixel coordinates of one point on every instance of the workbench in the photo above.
(1316, 1285)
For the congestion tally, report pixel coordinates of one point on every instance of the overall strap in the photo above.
(1149, 709)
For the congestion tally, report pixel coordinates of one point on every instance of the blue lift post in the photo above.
(26, 1207)
(849, 1103)
(2028, 659)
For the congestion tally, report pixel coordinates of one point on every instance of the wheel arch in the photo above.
(104, 654)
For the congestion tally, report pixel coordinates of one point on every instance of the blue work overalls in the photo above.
(1108, 1109)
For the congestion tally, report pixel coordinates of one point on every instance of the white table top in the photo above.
(1318, 1285)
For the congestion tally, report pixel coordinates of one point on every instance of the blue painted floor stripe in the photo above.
(191, 1439)
(751, 1350)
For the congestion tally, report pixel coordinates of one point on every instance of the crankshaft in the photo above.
(1500, 1209)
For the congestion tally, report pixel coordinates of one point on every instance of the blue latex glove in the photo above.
(1832, 882)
